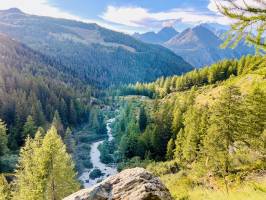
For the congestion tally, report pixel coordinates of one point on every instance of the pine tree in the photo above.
(72, 113)
(37, 113)
(195, 129)
(191, 131)
(29, 128)
(4, 189)
(3, 138)
(224, 130)
(58, 167)
(69, 141)
(142, 119)
(170, 149)
(254, 119)
(57, 123)
(178, 153)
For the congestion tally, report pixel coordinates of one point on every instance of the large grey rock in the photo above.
(130, 184)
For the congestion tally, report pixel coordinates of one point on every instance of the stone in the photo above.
(130, 184)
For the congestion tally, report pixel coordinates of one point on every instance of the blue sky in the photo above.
(127, 16)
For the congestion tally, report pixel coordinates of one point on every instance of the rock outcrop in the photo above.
(130, 184)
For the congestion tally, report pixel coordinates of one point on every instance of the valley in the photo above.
(175, 111)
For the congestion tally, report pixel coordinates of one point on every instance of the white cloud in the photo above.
(37, 7)
(141, 17)
(43, 8)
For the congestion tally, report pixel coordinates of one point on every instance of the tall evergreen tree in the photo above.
(4, 188)
(170, 149)
(58, 167)
(142, 119)
(254, 119)
(45, 170)
(3, 138)
(57, 123)
(178, 153)
(29, 128)
(69, 141)
(224, 131)
(30, 177)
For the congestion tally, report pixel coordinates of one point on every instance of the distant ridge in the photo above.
(157, 38)
(95, 55)
(200, 47)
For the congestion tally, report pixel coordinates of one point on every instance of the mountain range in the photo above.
(95, 55)
(201, 45)
(157, 38)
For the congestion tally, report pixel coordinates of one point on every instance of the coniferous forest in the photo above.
(70, 86)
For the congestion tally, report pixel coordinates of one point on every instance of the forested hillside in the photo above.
(93, 54)
(36, 91)
(209, 123)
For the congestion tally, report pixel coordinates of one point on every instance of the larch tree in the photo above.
(57, 123)
(254, 120)
(58, 167)
(249, 21)
(3, 138)
(4, 188)
(69, 141)
(191, 146)
(29, 128)
(224, 131)
(178, 152)
(170, 149)
(29, 184)
(45, 170)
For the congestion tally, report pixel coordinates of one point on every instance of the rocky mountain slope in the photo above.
(200, 47)
(130, 184)
(157, 38)
(96, 55)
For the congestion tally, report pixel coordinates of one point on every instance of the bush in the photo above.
(95, 173)
(8, 163)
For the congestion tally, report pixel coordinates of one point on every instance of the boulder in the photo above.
(130, 184)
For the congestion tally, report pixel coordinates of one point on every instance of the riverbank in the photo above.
(106, 170)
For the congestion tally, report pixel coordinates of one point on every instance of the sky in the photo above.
(125, 15)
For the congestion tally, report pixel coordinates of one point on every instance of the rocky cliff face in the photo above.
(130, 184)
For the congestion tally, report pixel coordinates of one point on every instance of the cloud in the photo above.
(141, 18)
(37, 7)
(43, 8)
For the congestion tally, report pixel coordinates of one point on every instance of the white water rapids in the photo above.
(96, 162)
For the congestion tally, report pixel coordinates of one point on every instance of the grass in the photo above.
(183, 188)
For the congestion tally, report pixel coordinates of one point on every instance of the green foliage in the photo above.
(69, 141)
(4, 189)
(3, 138)
(211, 124)
(249, 21)
(57, 123)
(107, 150)
(95, 173)
(45, 170)
(215, 73)
(170, 149)
(224, 131)
(142, 119)
(29, 128)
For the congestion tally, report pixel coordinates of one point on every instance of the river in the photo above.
(107, 170)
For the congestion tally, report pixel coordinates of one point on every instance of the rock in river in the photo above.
(130, 184)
